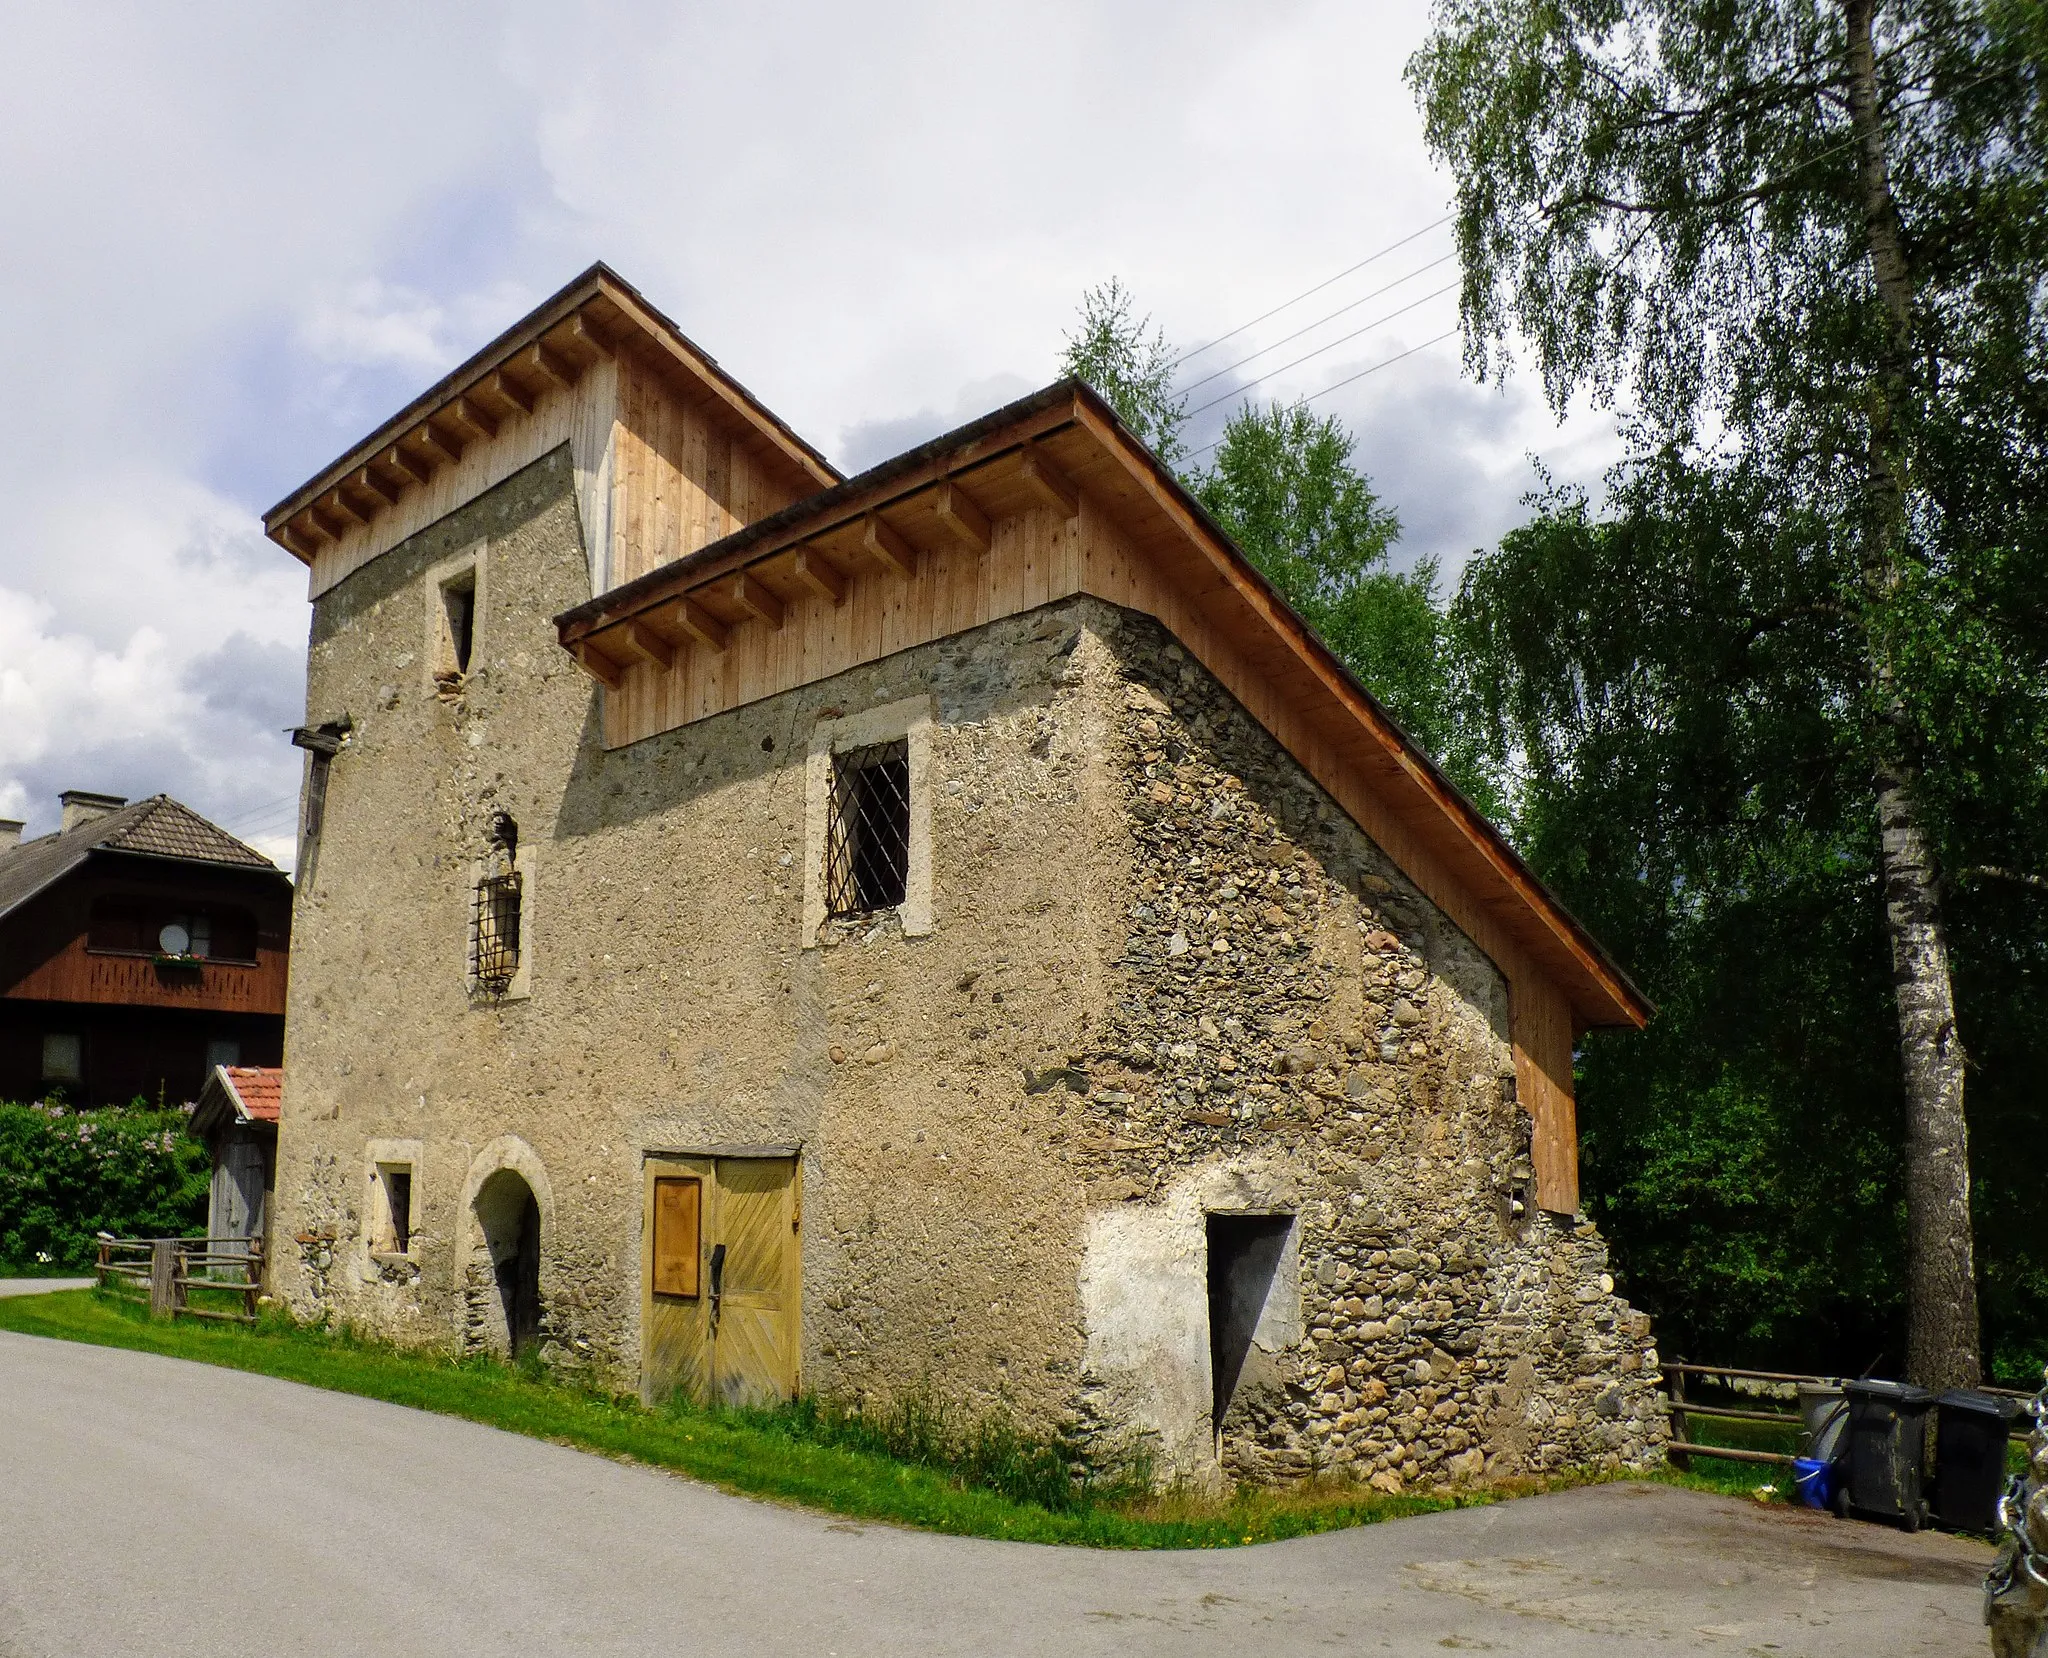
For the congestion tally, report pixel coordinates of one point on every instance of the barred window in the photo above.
(495, 952)
(867, 831)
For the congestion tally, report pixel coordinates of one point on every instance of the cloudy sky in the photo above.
(238, 236)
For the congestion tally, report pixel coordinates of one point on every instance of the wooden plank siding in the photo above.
(581, 416)
(78, 974)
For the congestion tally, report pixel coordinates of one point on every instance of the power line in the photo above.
(1306, 292)
(1310, 328)
(1449, 333)
(1367, 328)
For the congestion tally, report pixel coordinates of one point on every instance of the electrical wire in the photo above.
(1370, 258)
(1310, 328)
(1388, 362)
(1367, 328)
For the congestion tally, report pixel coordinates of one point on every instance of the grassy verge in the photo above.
(805, 1454)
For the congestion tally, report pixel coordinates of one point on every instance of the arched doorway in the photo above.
(508, 1215)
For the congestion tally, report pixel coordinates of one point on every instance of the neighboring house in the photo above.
(237, 1118)
(140, 946)
(760, 931)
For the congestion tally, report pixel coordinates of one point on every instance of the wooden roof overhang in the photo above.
(597, 316)
(1049, 450)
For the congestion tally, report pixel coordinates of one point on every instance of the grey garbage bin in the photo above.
(1887, 1445)
(1970, 1430)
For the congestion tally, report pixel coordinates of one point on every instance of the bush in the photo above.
(66, 1174)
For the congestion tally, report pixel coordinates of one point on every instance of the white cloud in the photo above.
(237, 239)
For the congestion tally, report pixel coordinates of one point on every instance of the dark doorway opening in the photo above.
(511, 1224)
(1244, 1255)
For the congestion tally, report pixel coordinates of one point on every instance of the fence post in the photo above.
(163, 1272)
(1681, 1427)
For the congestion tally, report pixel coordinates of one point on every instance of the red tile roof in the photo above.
(257, 1090)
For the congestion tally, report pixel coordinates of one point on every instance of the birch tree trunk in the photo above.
(1942, 1333)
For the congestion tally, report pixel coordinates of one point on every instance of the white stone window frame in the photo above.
(437, 655)
(379, 1155)
(909, 722)
(526, 865)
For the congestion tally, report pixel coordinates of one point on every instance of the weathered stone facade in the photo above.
(1165, 979)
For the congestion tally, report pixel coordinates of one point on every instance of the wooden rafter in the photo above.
(309, 522)
(648, 645)
(820, 575)
(336, 501)
(510, 392)
(599, 666)
(407, 464)
(467, 411)
(436, 442)
(297, 542)
(588, 337)
(747, 592)
(1047, 483)
(887, 545)
(700, 624)
(550, 364)
(372, 482)
(963, 515)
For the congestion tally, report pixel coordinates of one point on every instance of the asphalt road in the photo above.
(154, 1507)
(40, 1286)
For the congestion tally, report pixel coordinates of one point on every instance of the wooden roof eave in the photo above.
(1419, 793)
(598, 314)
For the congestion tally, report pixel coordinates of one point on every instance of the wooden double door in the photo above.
(722, 1277)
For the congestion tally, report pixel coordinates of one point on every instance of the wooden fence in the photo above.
(165, 1271)
(1686, 1406)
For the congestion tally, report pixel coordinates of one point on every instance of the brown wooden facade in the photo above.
(80, 959)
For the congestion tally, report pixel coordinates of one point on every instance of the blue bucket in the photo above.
(1814, 1479)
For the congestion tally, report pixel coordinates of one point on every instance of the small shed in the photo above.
(237, 1117)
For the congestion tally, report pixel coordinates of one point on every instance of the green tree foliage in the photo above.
(1805, 242)
(1284, 486)
(67, 1174)
(1670, 686)
(1126, 359)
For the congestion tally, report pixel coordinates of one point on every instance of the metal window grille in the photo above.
(497, 932)
(867, 836)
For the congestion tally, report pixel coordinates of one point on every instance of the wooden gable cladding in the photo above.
(683, 475)
(668, 451)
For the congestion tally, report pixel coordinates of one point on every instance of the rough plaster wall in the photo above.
(672, 1006)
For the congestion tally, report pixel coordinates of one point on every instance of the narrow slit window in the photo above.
(392, 1234)
(867, 833)
(496, 955)
(458, 611)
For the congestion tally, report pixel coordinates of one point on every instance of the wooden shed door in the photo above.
(721, 1273)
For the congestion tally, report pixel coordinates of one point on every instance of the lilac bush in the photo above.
(67, 1174)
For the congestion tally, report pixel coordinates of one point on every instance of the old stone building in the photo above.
(951, 928)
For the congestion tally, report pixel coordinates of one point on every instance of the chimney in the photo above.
(82, 807)
(10, 833)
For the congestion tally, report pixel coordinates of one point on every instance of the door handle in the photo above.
(717, 1280)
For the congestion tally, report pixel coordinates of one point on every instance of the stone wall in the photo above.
(1292, 1025)
(1165, 977)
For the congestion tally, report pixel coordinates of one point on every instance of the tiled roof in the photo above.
(258, 1088)
(158, 827)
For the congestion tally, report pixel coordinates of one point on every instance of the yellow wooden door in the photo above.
(728, 1330)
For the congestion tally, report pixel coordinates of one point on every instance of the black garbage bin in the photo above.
(1970, 1430)
(1887, 1444)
